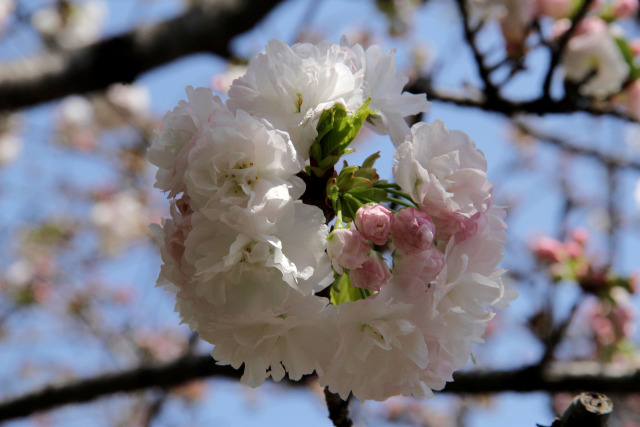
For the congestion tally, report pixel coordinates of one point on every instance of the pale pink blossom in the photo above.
(347, 248)
(222, 82)
(412, 230)
(120, 219)
(220, 252)
(625, 8)
(592, 49)
(549, 249)
(175, 272)
(78, 27)
(424, 265)
(123, 105)
(182, 126)
(516, 23)
(574, 249)
(580, 235)
(374, 223)
(372, 274)
(385, 85)
(383, 351)
(240, 160)
(290, 86)
(445, 174)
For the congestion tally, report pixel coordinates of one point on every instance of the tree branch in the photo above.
(539, 106)
(490, 90)
(586, 410)
(338, 409)
(207, 27)
(558, 49)
(565, 377)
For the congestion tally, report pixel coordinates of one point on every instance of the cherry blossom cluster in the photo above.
(390, 300)
(598, 59)
(569, 261)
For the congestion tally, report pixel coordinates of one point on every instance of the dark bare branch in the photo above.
(207, 27)
(572, 377)
(586, 410)
(558, 49)
(338, 409)
(539, 106)
(490, 90)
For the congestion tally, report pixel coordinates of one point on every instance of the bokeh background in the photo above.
(78, 264)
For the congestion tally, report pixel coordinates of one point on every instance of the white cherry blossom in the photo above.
(181, 127)
(237, 160)
(291, 85)
(593, 50)
(445, 174)
(385, 85)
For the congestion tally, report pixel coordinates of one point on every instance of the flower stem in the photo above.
(399, 193)
(352, 198)
(339, 224)
(402, 202)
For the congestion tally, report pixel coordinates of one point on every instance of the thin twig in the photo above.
(207, 27)
(338, 409)
(490, 90)
(558, 49)
(568, 377)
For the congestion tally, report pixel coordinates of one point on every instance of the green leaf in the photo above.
(349, 209)
(332, 191)
(369, 194)
(369, 161)
(627, 53)
(336, 130)
(342, 291)
(369, 173)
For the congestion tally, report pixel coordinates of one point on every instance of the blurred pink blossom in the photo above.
(549, 249)
(625, 8)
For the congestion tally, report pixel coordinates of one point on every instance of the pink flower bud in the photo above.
(591, 25)
(580, 235)
(412, 230)
(174, 242)
(372, 274)
(374, 222)
(347, 249)
(625, 8)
